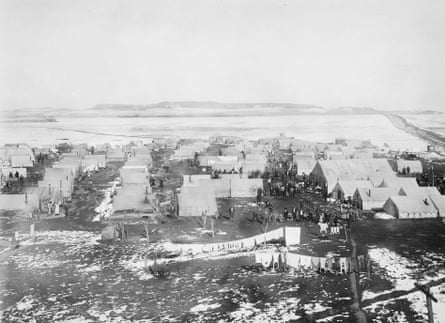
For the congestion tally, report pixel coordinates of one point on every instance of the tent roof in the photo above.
(376, 193)
(135, 162)
(96, 157)
(354, 169)
(349, 187)
(253, 166)
(400, 182)
(420, 191)
(410, 204)
(133, 176)
(305, 165)
(131, 197)
(192, 180)
(21, 161)
(439, 203)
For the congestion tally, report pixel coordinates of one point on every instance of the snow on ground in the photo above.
(65, 237)
(283, 311)
(105, 207)
(403, 273)
(383, 216)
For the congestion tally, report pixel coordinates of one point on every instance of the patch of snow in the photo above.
(204, 307)
(26, 303)
(383, 216)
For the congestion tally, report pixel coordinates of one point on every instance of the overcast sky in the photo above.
(75, 54)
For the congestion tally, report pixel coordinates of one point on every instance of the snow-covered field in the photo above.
(323, 128)
(70, 277)
(435, 122)
(402, 273)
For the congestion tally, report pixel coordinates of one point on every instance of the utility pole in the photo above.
(432, 172)
(426, 290)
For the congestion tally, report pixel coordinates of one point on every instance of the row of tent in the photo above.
(371, 184)
(248, 163)
(134, 194)
(57, 183)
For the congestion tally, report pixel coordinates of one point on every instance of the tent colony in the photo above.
(188, 151)
(227, 185)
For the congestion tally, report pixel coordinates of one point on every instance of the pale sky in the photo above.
(75, 54)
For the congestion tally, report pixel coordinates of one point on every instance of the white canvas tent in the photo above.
(94, 161)
(304, 165)
(21, 161)
(133, 198)
(197, 200)
(329, 172)
(19, 202)
(58, 179)
(410, 207)
(344, 189)
(134, 176)
(373, 198)
(414, 166)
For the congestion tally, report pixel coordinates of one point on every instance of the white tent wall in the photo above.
(196, 200)
(14, 202)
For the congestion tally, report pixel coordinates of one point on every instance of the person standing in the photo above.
(285, 214)
(232, 213)
(259, 195)
(294, 214)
